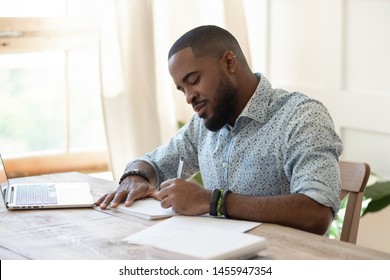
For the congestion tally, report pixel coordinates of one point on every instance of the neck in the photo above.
(246, 86)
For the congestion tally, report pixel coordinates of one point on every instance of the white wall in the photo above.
(337, 51)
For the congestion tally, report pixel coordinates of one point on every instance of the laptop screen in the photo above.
(3, 178)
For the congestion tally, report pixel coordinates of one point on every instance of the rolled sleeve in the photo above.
(320, 193)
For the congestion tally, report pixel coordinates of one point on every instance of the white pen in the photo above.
(180, 168)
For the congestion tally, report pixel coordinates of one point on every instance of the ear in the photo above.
(230, 61)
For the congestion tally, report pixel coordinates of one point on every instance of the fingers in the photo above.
(112, 199)
(166, 203)
(184, 197)
(167, 192)
(100, 200)
(119, 197)
(133, 195)
(164, 191)
(126, 195)
(103, 201)
(168, 183)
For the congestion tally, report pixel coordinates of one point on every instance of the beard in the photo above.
(224, 101)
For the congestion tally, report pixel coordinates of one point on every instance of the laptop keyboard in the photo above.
(36, 195)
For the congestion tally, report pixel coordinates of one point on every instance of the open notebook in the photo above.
(200, 237)
(149, 209)
(210, 243)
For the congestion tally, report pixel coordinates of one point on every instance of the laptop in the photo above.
(43, 195)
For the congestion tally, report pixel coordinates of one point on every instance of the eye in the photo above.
(195, 81)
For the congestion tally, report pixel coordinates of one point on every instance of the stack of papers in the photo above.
(204, 237)
(210, 243)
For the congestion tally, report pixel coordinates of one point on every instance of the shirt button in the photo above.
(224, 165)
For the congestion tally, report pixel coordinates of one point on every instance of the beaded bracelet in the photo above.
(135, 172)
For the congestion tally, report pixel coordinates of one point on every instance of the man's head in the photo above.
(203, 64)
(207, 40)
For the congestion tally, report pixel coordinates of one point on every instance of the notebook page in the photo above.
(210, 242)
(149, 209)
(180, 225)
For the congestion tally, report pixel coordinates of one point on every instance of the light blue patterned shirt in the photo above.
(281, 143)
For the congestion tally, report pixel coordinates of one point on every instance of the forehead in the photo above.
(184, 62)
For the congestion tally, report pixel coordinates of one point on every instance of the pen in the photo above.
(180, 168)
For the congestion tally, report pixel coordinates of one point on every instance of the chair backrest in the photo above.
(354, 177)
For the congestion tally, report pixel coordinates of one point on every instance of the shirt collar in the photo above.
(256, 108)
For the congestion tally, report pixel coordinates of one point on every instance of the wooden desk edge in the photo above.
(283, 242)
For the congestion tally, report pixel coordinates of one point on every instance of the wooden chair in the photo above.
(354, 177)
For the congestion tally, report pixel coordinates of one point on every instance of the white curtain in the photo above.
(140, 103)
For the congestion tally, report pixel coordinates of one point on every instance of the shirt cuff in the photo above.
(320, 193)
(158, 177)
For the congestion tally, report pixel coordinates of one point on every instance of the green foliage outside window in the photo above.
(376, 197)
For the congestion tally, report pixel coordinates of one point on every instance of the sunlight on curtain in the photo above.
(128, 81)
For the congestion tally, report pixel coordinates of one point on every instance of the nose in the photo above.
(190, 96)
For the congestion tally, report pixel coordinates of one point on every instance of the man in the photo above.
(265, 154)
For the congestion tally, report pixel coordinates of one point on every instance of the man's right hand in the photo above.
(132, 188)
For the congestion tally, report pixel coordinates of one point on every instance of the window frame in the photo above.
(32, 34)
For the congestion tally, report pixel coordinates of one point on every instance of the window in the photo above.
(50, 108)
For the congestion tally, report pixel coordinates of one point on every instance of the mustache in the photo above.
(196, 103)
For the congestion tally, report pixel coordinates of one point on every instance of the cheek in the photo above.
(209, 88)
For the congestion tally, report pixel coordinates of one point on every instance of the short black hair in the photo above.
(207, 40)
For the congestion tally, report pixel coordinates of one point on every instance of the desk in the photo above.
(90, 234)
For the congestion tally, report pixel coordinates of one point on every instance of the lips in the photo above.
(200, 108)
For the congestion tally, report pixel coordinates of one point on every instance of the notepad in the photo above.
(200, 237)
(149, 209)
(209, 243)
